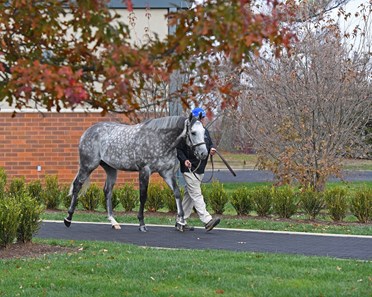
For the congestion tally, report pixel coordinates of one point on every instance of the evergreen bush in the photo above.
(65, 197)
(285, 202)
(217, 197)
(35, 189)
(29, 219)
(262, 201)
(3, 178)
(155, 199)
(10, 212)
(336, 202)
(128, 197)
(312, 202)
(169, 199)
(92, 198)
(241, 200)
(361, 205)
(51, 196)
(17, 186)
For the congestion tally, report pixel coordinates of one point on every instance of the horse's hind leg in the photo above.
(77, 184)
(109, 185)
(144, 177)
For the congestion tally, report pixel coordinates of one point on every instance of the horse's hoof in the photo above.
(116, 227)
(180, 227)
(143, 228)
(67, 222)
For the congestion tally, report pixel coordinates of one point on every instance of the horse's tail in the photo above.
(83, 190)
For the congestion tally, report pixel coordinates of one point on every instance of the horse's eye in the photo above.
(193, 133)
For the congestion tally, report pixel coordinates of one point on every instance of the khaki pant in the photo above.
(194, 198)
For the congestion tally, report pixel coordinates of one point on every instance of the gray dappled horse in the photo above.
(146, 147)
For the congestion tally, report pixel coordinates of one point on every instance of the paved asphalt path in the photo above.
(267, 176)
(353, 247)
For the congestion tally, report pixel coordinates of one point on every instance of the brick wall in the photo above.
(49, 140)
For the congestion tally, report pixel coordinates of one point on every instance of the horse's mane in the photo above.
(165, 123)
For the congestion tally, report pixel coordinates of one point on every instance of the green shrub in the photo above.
(35, 189)
(217, 197)
(9, 220)
(17, 186)
(284, 202)
(65, 197)
(155, 199)
(169, 199)
(312, 202)
(29, 220)
(51, 195)
(241, 200)
(336, 202)
(3, 178)
(91, 199)
(128, 196)
(262, 201)
(361, 205)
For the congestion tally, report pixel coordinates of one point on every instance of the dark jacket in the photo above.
(184, 153)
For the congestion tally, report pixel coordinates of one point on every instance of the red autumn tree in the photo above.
(64, 54)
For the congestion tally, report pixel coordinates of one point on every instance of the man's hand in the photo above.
(212, 151)
(188, 164)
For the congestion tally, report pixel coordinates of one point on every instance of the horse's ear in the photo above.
(190, 117)
(200, 116)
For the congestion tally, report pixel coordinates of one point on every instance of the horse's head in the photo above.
(195, 137)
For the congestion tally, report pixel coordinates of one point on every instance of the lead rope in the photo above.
(223, 160)
(201, 181)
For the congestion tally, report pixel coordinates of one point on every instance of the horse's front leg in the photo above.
(170, 178)
(144, 178)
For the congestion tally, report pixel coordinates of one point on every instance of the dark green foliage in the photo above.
(10, 212)
(3, 178)
(262, 201)
(91, 199)
(128, 196)
(361, 205)
(29, 219)
(217, 197)
(241, 200)
(337, 204)
(169, 199)
(35, 189)
(65, 198)
(51, 194)
(285, 202)
(312, 202)
(17, 186)
(155, 199)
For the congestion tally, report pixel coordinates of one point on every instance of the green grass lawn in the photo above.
(112, 269)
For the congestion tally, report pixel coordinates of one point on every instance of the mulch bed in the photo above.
(31, 250)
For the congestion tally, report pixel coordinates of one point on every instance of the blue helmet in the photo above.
(196, 112)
